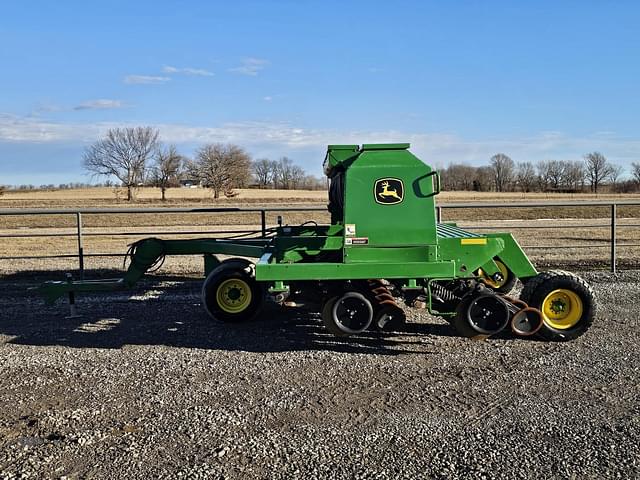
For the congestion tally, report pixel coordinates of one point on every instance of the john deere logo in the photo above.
(388, 191)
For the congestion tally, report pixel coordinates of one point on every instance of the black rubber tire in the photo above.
(537, 288)
(459, 320)
(461, 323)
(509, 282)
(328, 313)
(237, 262)
(228, 269)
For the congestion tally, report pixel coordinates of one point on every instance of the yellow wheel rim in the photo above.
(233, 295)
(562, 309)
(504, 271)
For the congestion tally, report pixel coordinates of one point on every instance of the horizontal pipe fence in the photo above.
(80, 233)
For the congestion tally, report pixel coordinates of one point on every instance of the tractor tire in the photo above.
(503, 287)
(463, 318)
(347, 314)
(327, 314)
(231, 293)
(567, 303)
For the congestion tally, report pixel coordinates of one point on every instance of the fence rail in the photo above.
(80, 234)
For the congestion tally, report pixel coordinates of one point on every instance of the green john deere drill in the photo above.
(384, 247)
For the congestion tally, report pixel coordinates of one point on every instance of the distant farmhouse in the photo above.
(189, 183)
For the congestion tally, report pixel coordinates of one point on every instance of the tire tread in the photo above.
(535, 283)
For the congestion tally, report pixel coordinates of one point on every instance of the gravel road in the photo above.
(145, 385)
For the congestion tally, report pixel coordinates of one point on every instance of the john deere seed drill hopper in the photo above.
(383, 246)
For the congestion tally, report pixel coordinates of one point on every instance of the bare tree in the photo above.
(635, 171)
(544, 179)
(574, 175)
(284, 173)
(297, 177)
(458, 176)
(483, 180)
(221, 167)
(526, 176)
(556, 173)
(123, 153)
(615, 173)
(264, 171)
(166, 169)
(597, 169)
(312, 182)
(503, 168)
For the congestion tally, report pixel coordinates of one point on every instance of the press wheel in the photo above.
(348, 314)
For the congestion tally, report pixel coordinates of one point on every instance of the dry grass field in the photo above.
(107, 197)
(585, 229)
(103, 196)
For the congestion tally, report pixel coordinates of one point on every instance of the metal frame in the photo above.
(80, 234)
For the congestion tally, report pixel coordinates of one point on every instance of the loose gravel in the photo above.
(144, 385)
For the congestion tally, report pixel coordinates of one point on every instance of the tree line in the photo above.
(135, 156)
(502, 174)
(59, 186)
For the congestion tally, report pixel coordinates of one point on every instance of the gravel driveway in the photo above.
(147, 386)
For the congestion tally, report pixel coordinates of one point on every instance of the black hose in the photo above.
(309, 222)
(131, 255)
(268, 232)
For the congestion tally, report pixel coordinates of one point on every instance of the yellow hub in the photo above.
(504, 271)
(233, 295)
(562, 309)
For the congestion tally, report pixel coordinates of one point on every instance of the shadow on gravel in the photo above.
(36, 277)
(172, 315)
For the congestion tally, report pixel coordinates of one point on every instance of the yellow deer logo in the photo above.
(389, 191)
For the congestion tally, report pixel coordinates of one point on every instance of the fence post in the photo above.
(263, 219)
(80, 245)
(613, 238)
(438, 214)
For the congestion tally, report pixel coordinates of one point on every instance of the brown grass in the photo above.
(108, 196)
(102, 196)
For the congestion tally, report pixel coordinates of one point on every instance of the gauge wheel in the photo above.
(231, 294)
(505, 285)
(480, 316)
(567, 303)
(347, 314)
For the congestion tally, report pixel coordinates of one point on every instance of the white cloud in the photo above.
(99, 104)
(250, 66)
(267, 98)
(197, 72)
(433, 147)
(145, 79)
(34, 130)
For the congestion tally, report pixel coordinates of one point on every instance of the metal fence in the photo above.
(261, 217)
(613, 226)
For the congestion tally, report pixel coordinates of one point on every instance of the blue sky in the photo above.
(459, 80)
